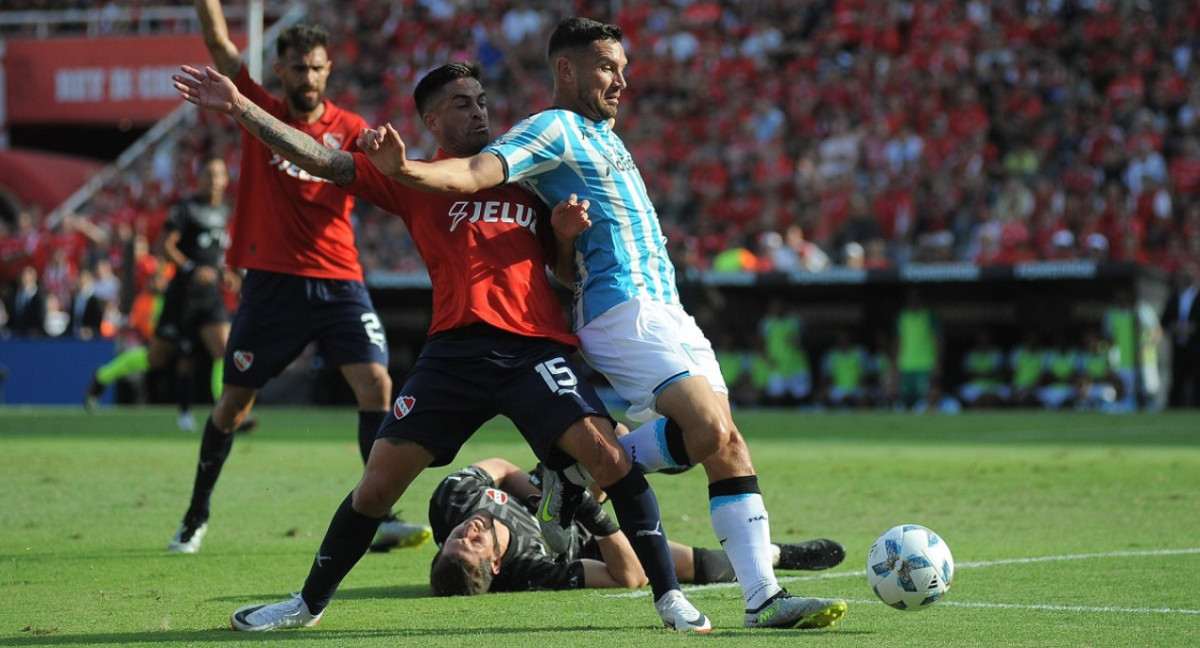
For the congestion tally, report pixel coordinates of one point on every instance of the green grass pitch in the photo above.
(1068, 530)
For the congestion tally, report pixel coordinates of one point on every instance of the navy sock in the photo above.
(214, 450)
(636, 508)
(346, 540)
(711, 566)
(368, 427)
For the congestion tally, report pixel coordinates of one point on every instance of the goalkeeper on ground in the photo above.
(483, 519)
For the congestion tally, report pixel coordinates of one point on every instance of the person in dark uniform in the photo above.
(1181, 320)
(193, 308)
(483, 520)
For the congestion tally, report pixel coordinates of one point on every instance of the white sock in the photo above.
(578, 475)
(740, 522)
(647, 446)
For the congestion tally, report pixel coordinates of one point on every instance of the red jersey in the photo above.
(286, 220)
(483, 252)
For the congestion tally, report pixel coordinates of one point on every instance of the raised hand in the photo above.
(208, 89)
(386, 150)
(570, 218)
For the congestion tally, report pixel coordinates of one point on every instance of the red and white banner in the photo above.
(121, 81)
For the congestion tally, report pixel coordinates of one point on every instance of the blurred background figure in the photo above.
(27, 315)
(1181, 321)
(1134, 331)
(881, 372)
(1099, 387)
(844, 373)
(744, 370)
(983, 367)
(1026, 362)
(918, 350)
(789, 377)
(87, 308)
(1058, 384)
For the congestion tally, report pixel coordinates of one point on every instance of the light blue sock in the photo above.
(647, 446)
(740, 522)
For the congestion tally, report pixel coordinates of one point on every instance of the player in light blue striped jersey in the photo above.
(627, 313)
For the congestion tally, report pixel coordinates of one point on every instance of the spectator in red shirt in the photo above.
(18, 246)
(1153, 209)
(1184, 170)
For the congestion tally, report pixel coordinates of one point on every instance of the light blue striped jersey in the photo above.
(623, 255)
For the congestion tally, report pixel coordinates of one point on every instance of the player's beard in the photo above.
(304, 103)
(594, 101)
(471, 143)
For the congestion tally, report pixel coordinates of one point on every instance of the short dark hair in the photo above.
(576, 32)
(433, 82)
(207, 160)
(302, 38)
(453, 576)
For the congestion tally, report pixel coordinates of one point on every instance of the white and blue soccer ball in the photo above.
(910, 567)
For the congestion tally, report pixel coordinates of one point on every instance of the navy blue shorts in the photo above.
(280, 314)
(465, 377)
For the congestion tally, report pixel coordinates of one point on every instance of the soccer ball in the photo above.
(910, 567)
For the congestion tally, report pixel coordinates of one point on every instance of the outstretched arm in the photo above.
(224, 53)
(387, 151)
(619, 567)
(214, 91)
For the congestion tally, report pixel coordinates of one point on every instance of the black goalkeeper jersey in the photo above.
(527, 565)
(201, 227)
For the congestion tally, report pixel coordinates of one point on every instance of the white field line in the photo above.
(985, 563)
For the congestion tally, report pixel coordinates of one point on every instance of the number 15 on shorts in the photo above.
(558, 376)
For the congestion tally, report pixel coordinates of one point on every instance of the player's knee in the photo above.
(710, 439)
(374, 389)
(232, 407)
(227, 420)
(732, 459)
(608, 464)
(373, 498)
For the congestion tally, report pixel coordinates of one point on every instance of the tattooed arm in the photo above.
(214, 91)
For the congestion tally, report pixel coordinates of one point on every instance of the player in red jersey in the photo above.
(291, 233)
(498, 344)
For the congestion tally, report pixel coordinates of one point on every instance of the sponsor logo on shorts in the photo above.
(242, 360)
(498, 496)
(403, 406)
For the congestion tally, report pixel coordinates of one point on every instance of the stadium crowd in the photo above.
(775, 135)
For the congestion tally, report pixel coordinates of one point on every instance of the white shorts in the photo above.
(643, 346)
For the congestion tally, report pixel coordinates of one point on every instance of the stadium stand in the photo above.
(983, 131)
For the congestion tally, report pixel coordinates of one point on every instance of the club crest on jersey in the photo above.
(403, 406)
(333, 140)
(497, 496)
(242, 360)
